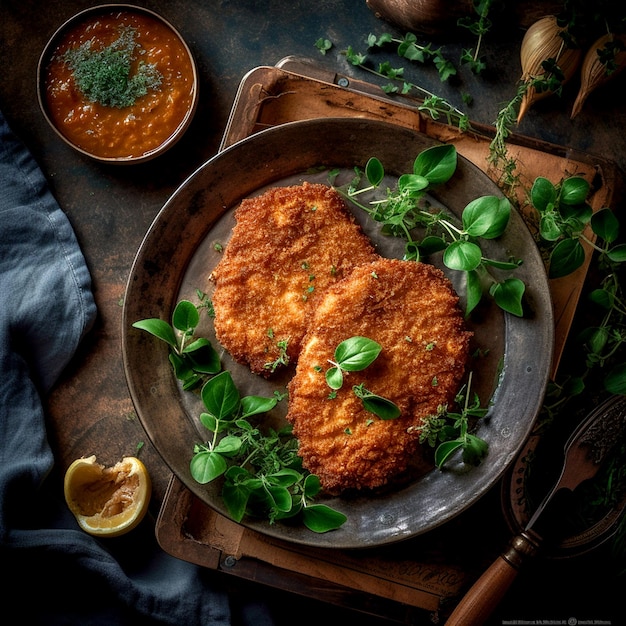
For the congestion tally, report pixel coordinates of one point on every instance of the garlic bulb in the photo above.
(541, 42)
(593, 73)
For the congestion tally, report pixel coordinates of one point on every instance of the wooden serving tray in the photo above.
(412, 581)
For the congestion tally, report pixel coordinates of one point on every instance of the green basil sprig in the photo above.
(351, 355)
(354, 355)
(192, 358)
(263, 474)
(404, 209)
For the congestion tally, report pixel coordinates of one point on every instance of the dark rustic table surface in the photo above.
(111, 207)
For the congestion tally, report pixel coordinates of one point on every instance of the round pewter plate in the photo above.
(179, 252)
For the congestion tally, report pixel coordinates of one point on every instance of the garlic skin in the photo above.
(593, 71)
(541, 42)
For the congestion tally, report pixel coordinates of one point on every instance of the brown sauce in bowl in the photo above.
(132, 131)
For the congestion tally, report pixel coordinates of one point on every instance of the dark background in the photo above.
(112, 207)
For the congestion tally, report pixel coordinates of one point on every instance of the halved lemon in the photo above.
(107, 501)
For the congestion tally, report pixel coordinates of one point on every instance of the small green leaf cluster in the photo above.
(283, 356)
(564, 215)
(354, 355)
(263, 474)
(105, 75)
(448, 432)
(404, 209)
(193, 359)
(479, 25)
(323, 45)
(408, 48)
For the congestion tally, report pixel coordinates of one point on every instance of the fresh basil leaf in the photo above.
(486, 217)
(508, 295)
(374, 172)
(412, 184)
(618, 253)
(411, 251)
(185, 316)
(160, 329)
(615, 381)
(312, 486)
(445, 450)
(181, 366)
(284, 478)
(474, 291)
(356, 353)
(204, 357)
(278, 498)
(574, 190)
(381, 407)
(207, 466)
(437, 164)
(543, 194)
(567, 256)
(605, 225)
(253, 405)
(432, 244)
(334, 378)
(321, 518)
(228, 445)
(236, 495)
(603, 298)
(474, 450)
(573, 386)
(596, 339)
(220, 395)
(462, 255)
(576, 215)
(550, 226)
(209, 421)
(197, 344)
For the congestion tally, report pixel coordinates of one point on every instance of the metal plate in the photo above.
(176, 258)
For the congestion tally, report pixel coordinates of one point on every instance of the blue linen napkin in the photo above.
(54, 573)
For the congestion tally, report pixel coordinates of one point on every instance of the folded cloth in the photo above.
(54, 572)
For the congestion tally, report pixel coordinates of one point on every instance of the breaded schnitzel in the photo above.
(412, 311)
(287, 247)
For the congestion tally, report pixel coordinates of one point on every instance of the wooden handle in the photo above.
(487, 592)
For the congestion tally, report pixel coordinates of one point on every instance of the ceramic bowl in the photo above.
(118, 83)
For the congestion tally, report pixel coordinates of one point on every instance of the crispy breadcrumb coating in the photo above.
(287, 247)
(412, 311)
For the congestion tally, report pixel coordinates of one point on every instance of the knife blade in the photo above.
(583, 454)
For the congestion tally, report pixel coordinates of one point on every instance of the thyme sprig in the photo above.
(449, 431)
(479, 25)
(435, 106)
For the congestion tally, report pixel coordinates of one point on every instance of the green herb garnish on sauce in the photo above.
(104, 75)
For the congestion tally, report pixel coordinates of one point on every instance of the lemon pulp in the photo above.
(107, 501)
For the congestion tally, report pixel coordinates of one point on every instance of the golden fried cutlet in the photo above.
(412, 311)
(287, 247)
